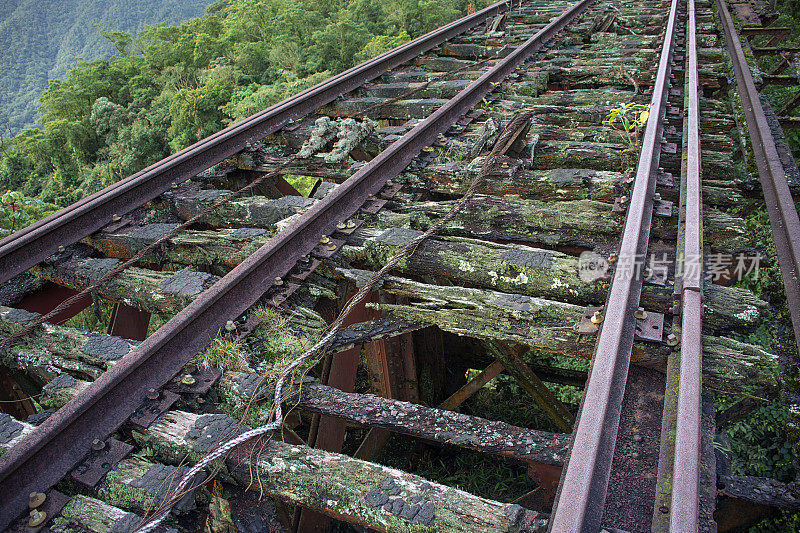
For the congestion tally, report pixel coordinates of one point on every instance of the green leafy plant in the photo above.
(628, 118)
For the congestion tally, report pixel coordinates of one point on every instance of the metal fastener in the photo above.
(324, 239)
(341, 226)
(657, 196)
(36, 499)
(230, 326)
(153, 394)
(350, 223)
(115, 217)
(37, 518)
(98, 445)
(597, 317)
(277, 281)
(187, 379)
(664, 509)
(612, 257)
(330, 247)
(672, 340)
(623, 200)
(61, 248)
(640, 313)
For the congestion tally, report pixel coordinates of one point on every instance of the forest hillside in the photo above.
(41, 40)
(169, 86)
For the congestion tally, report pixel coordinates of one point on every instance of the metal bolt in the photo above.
(37, 518)
(61, 248)
(277, 281)
(324, 239)
(672, 340)
(36, 499)
(640, 313)
(341, 226)
(612, 257)
(623, 200)
(153, 394)
(115, 217)
(187, 379)
(350, 223)
(664, 509)
(330, 247)
(230, 326)
(98, 445)
(597, 317)
(657, 196)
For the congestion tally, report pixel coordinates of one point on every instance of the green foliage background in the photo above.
(169, 86)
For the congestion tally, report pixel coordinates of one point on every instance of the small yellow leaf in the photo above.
(643, 117)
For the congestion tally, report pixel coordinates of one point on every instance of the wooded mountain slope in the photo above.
(170, 86)
(41, 40)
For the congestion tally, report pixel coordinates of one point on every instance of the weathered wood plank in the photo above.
(245, 212)
(51, 350)
(446, 427)
(369, 494)
(551, 326)
(149, 290)
(12, 431)
(509, 268)
(83, 514)
(568, 223)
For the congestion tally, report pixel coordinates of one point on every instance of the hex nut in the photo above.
(37, 518)
(36, 499)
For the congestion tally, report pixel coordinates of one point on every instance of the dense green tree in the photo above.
(171, 85)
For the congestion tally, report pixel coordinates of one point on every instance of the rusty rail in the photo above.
(782, 213)
(582, 492)
(55, 447)
(23, 249)
(684, 509)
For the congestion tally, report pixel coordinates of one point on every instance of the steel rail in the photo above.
(684, 508)
(27, 247)
(783, 217)
(582, 493)
(52, 449)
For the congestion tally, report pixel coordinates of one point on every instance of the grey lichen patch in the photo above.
(185, 283)
(61, 390)
(94, 269)
(350, 133)
(105, 347)
(389, 496)
(528, 258)
(83, 514)
(138, 485)
(209, 430)
(19, 316)
(143, 236)
(323, 129)
(9, 428)
(61, 382)
(247, 233)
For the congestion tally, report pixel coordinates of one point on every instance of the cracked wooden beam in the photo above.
(374, 496)
(438, 425)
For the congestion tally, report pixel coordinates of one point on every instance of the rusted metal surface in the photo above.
(583, 490)
(128, 322)
(782, 213)
(49, 297)
(684, 510)
(25, 248)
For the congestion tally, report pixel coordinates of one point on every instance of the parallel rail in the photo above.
(27, 247)
(684, 510)
(783, 217)
(584, 483)
(61, 442)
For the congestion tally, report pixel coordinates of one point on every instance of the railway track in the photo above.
(577, 240)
